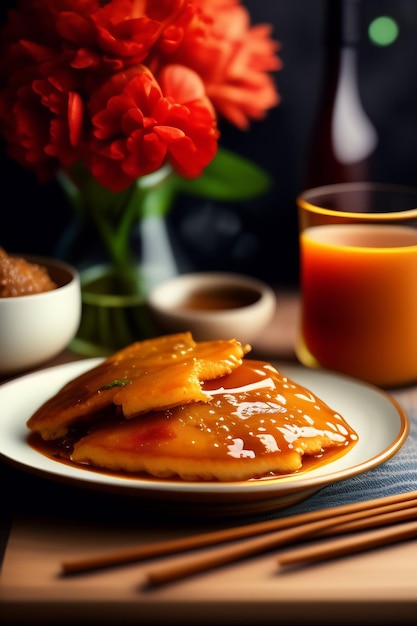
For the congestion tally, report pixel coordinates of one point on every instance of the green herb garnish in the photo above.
(115, 383)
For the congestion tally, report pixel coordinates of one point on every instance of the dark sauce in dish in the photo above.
(219, 298)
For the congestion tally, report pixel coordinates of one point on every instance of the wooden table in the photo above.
(54, 522)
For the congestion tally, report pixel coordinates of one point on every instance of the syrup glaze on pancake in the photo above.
(258, 423)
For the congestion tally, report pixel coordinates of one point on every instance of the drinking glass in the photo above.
(358, 280)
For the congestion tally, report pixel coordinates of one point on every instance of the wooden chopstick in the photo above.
(164, 548)
(379, 517)
(321, 528)
(349, 545)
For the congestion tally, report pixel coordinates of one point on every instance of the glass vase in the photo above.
(118, 270)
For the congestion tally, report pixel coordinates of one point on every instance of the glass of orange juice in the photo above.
(358, 280)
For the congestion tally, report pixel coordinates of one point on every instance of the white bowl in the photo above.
(37, 327)
(213, 306)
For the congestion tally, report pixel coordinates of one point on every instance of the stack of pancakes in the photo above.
(174, 407)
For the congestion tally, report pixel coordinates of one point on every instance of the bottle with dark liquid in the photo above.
(344, 138)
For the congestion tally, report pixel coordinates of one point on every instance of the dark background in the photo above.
(260, 237)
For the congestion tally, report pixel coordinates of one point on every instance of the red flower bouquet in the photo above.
(105, 92)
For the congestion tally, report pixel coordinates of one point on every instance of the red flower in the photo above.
(233, 60)
(139, 129)
(127, 85)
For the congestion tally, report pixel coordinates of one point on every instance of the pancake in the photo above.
(129, 378)
(250, 422)
(165, 387)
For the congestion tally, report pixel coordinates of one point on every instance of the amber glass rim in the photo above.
(306, 200)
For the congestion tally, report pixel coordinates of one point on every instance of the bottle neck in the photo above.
(341, 31)
(349, 27)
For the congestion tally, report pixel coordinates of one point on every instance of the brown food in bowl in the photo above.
(19, 277)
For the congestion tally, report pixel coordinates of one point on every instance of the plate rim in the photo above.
(274, 488)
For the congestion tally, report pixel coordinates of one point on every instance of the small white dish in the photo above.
(213, 305)
(36, 327)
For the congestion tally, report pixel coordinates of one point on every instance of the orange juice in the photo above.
(359, 301)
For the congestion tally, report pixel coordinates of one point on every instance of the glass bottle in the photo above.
(343, 138)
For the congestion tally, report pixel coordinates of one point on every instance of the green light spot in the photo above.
(383, 31)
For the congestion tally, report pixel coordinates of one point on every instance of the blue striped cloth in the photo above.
(397, 475)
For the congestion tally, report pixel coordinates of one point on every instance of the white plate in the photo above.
(379, 420)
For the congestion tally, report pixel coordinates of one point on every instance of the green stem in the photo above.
(115, 236)
(113, 216)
